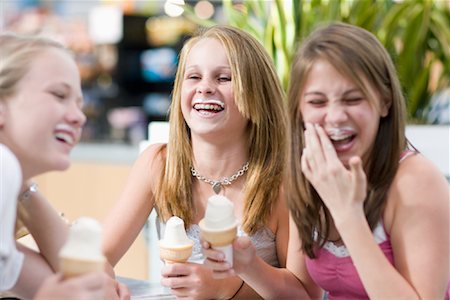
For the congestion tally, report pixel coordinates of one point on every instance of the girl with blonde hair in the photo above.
(40, 123)
(227, 131)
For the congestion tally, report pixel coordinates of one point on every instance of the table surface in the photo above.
(142, 289)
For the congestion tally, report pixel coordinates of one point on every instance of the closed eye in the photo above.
(192, 77)
(353, 100)
(224, 78)
(58, 95)
(316, 102)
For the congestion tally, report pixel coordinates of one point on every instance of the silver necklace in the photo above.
(217, 184)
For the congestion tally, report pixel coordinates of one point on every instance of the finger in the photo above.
(213, 254)
(357, 170)
(175, 269)
(327, 146)
(217, 265)
(306, 168)
(315, 156)
(180, 293)
(174, 282)
(123, 291)
(242, 243)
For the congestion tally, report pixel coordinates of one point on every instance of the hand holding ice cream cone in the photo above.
(82, 252)
(219, 226)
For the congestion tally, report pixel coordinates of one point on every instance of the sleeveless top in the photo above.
(11, 259)
(263, 240)
(333, 268)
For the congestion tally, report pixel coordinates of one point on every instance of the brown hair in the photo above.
(358, 55)
(259, 97)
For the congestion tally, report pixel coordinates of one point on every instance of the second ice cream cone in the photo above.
(175, 255)
(72, 266)
(218, 238)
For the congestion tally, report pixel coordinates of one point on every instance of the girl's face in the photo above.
(207, 99)
(42, 121)
(340, 107)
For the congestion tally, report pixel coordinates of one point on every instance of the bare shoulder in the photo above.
(151, 161)
(419, 183)
(152, 154)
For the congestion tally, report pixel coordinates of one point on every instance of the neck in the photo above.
(219, 159)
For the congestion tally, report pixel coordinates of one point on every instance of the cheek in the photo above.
(312, 116)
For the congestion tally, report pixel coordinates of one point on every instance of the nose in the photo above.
(205, 87)
(336, 114)
(76, 116)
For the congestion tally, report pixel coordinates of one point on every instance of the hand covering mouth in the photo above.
(208, 105)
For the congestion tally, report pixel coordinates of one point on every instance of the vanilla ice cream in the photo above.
(175, 246)
(219, 226)
(219, 214)
(82, 251)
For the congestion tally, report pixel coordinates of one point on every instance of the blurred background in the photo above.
(127, 50)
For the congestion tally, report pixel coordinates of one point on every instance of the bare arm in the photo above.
(33, 273)
(46, 226)
(133, 207)
(418, 209)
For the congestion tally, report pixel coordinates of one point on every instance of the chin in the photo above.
(61, 165)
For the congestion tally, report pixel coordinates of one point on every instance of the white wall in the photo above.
(433, 141)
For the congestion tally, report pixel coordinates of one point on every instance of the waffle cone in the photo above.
(71, 266)
(175, 254)
(218, 238)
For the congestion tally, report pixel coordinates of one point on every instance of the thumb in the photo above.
(356, 168)
(242, 243)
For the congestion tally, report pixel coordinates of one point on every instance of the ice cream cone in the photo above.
(175, 247)
(82, 251)
(218, 238)
(175, 254)
(72, 266)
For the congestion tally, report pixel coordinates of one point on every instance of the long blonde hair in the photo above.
(16, 54)
(358, 55)
(259, 98)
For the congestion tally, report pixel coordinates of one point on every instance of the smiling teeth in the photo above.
(208, 104)
(339, 134)
(65, 137)
(208, 107)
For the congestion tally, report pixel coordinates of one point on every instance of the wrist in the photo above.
(30, 189)
(236, 289)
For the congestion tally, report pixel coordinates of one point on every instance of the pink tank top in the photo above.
(334, 272)
(333, 269)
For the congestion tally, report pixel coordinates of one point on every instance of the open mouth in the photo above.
(208, 106)
(65, 134)
(65, 138)
(341, 137)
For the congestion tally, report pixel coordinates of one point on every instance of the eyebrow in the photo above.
(317, 93)
(216, 68)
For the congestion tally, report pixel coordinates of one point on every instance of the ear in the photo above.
(385, 106)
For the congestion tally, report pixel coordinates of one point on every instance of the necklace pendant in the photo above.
(217, 186)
